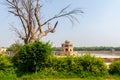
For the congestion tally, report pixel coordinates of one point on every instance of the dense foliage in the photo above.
(5, 62)
(114, 67)
(15, 47)
(7, 69)
(33, 55)
(84, 66)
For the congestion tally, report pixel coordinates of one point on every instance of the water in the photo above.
(102, 55)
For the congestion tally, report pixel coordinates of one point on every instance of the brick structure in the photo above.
(67, 49)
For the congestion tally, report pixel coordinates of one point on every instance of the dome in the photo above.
(66, 41)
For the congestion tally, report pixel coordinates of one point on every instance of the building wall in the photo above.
(2, 50)
(66, 49)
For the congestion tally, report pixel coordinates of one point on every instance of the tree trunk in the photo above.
(28, 12)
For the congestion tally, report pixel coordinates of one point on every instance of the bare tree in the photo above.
(28, 13)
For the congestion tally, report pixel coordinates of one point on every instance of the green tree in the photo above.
(32, 56)
(15, 47)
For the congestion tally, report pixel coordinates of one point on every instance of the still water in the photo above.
(101, 54)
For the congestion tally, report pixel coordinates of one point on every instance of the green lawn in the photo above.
(112, 77)
(31, 77)
(109, 78)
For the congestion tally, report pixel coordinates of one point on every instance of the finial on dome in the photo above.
(67, 41)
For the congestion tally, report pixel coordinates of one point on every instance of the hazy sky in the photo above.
(99, 25)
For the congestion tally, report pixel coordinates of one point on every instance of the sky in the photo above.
(99, 25)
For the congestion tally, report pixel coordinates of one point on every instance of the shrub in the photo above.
(114, 67)
(94, 66)
(33, 55)
(5, 62)
(84, 66)
(7, 70)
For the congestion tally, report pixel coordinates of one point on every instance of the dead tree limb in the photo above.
(28, 12)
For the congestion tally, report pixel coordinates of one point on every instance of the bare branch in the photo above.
(19, 34)
(36, 10)
(64, 9)
(28, 12)
(64, 13)
(53, 30)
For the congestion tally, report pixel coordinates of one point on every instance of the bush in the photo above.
(32, 56)
(114, 67)
(93, 66)
(84, 66)
(7, 70)
(5, 62)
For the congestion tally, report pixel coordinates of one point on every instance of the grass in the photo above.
(41, 76)
(111, 77)
(59, 76)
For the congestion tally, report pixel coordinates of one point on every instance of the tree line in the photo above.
(101, 48)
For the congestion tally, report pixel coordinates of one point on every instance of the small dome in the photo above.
(66, 41)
